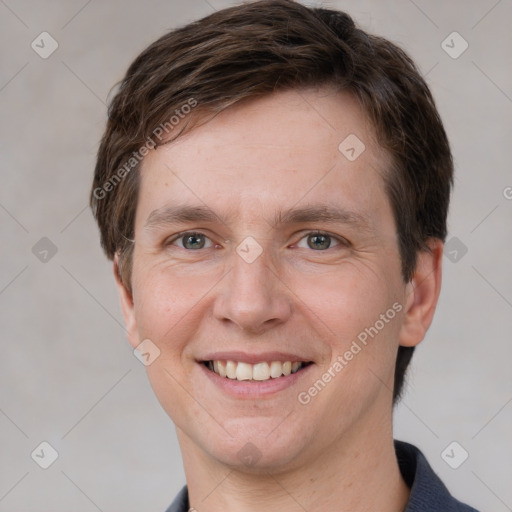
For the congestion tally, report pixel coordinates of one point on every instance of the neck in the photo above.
(357, 473)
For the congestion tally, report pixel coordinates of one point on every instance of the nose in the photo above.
(253, 296)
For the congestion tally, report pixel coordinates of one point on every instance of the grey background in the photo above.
(67, 374)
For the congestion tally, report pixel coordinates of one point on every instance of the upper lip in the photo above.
(244, 357)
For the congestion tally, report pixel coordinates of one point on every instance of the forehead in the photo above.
(262, 155)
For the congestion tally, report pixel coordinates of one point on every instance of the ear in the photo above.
(422, 293)
(126, 299)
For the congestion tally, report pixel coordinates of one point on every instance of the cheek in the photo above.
(361, 316)
(349, 300)
(347, 308)
(168, 312)
(166, 305)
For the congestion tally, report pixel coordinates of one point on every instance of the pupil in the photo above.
(319, 242)
(194, 242)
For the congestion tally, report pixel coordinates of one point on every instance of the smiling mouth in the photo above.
(255, 372)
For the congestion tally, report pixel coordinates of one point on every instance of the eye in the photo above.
(191, 241)
(319, 241)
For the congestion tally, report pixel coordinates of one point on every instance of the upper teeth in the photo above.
(258, 371)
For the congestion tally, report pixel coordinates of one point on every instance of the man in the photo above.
(272, 187)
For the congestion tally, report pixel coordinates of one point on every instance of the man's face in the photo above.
(297, 262)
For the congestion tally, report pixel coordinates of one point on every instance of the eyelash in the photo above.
(342, 241)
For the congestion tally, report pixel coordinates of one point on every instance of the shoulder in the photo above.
(180, 502)
(427, 490)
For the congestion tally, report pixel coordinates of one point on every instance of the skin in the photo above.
(246, 164)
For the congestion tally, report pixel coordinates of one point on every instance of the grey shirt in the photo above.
(428, 493)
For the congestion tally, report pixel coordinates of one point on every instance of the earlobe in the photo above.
(422, 294)
(127, 307)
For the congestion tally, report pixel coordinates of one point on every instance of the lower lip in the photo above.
(251, 388)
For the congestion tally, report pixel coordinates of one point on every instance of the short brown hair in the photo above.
(253, 50)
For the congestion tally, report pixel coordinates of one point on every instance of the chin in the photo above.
(256, 446)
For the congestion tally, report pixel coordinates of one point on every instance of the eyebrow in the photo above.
(329, 214)
(322, 213)
(181, 215)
